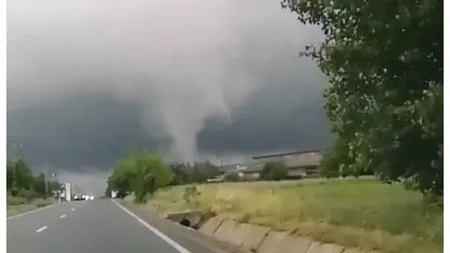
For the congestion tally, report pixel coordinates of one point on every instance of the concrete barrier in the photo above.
(283, 242)
(355, 250)
(317, 247)
(193, 217)
(250, 237)
(226, 231)
(210, 226)
(259, 239)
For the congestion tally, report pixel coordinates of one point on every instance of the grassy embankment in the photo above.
(17, 205)
(349, 212)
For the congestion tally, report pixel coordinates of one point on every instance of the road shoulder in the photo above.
(189, 238)
(21, 210)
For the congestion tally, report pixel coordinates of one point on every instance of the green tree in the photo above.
(337, 162)
(10, 167)
(180, 173)
(107, 192)
(142, 173)
(384, 61)
(39, 185)
(274, 171)
(23, 175)
(22, 182)
(152, 174)
(122, 177)
(202, 171)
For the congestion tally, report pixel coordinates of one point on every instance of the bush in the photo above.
(43, 202)
(190, 195)
(13, 201)
(232, 177)
(274, 171)
(27, 194)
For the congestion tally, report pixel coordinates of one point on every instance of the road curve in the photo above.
(99, 226)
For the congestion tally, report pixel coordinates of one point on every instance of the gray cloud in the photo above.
(87, 80)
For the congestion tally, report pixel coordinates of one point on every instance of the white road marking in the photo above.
(29, 212)
(164, 237)
(41, 229)
(62, 216)
(73, 209)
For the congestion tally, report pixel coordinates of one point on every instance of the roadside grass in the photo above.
(351, 212)
(17, 205)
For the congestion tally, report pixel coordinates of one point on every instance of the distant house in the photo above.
(299, 164)
(230, 169)
(252, 172)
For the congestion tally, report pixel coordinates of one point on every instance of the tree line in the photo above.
(143, 172)
(24, 185)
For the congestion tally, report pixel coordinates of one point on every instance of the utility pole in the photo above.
(46, 178)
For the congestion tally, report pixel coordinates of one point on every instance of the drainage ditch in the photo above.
(185, 222)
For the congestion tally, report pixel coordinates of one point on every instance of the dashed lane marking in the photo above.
(41, 229)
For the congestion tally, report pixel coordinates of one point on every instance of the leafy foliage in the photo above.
(233, 177)
(191, 194)
(24, 185)
(142, 173)
(180, 173)
(274, 171)
(335, 160)
(384, 61)
(107, 193)
(193, 173)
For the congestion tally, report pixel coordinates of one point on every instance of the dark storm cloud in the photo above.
(88, 80)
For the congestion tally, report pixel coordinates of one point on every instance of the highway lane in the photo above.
(29, 222)
(99, 226)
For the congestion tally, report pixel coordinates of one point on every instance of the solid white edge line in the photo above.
(29, 212)
(41, 229)
(164, 237)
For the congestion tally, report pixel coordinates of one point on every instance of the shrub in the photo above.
(12, 201)
(190, 195)
(274, 171)
(232, 177)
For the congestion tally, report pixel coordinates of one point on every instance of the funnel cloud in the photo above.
(88, 80)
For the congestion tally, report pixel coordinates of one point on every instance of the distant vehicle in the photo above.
(77, 197)
(91, 197)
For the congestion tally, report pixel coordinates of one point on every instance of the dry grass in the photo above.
(14, 207)
(361, 212)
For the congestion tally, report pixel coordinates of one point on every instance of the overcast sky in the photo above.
(90, 79)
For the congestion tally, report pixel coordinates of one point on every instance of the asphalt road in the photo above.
(98, 226)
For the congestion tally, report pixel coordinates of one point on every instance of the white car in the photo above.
(91, 197)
